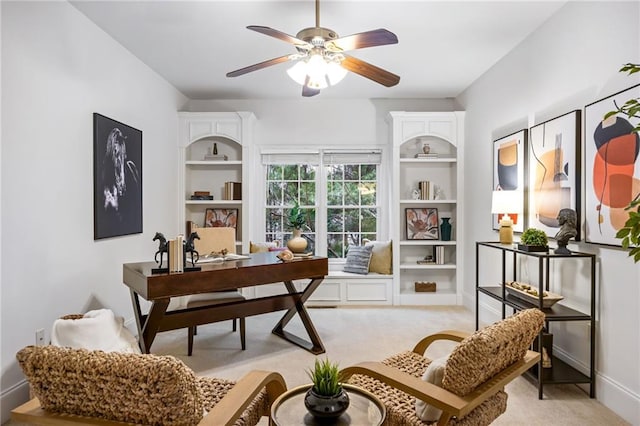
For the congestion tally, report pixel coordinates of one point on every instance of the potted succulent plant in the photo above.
(297, 219)
(533, 239)
(326, 398)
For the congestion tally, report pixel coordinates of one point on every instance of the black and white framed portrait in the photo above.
(117, 178)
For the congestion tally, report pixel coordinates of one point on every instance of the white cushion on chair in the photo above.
(433, 375)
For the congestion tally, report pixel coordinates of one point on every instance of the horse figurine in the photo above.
(163, 247)
(189, 247)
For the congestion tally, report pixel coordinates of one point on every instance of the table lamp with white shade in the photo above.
(506, 204)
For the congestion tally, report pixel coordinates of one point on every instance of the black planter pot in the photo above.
(526, 247)
(326, 406)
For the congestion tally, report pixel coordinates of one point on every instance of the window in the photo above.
(352, 211)
(286, 184)
(338, 191)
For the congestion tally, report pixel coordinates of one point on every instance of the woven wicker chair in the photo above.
(475, 373)
(77, 386)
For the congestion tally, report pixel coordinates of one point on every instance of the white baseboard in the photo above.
(14, 396)
(618, 398)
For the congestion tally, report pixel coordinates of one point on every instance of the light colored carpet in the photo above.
(352, 335)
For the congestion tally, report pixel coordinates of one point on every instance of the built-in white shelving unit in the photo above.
(232, 134)
(444, 133)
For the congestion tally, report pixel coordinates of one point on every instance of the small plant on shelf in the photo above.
(327, 397)
(533, 239)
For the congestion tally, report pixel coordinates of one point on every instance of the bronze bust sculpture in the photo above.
(567, 218)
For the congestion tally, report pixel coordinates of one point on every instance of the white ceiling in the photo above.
(443, 45)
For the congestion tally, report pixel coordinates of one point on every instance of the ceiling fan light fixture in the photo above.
(317, 72)
(320, 57)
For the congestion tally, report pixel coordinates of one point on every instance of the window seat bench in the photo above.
(341, 288)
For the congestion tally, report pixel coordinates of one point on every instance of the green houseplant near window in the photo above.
(326, 398)
(297, 219)
(630, 232)
(533, 239)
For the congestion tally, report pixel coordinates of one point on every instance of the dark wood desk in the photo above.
(261, 268)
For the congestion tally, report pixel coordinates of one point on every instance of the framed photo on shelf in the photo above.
(509, 172)
(117, 178)
(220, 218)
(612, 167)
(553, 172)
(422, 224)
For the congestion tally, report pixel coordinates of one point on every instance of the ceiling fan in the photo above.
(321, 58)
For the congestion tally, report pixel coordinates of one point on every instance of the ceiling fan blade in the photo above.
(372, 38)
(259, 66)
(369, 71)
(308, 92)
(281, 36)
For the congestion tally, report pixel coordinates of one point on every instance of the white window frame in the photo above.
(300, 156)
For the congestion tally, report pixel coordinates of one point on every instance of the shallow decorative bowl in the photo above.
(547, 301)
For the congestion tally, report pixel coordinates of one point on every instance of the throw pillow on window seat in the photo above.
(358, 258)
(263, 247)
(381, 257)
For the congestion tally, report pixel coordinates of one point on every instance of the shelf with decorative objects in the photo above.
(427, 180)
(213, 149)
(510, 292)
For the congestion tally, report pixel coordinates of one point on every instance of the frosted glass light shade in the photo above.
(298, 72)
(335, 73)
(316, 72)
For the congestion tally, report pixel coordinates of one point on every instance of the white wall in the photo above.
(57, 69)
(54, 78)
(569, 62)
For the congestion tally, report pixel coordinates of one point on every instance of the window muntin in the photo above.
(337, 189)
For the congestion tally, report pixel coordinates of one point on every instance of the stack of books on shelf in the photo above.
(201, 195)
(430, 155)
(233, 191)
(427, 190)
(176, 252)
(439, 254)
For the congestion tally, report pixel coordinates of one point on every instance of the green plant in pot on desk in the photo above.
(297, 220)
(534, 239)
(326, 398)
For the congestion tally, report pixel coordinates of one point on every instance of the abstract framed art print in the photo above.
(509, 172)
(117, 178)
(422, 224)
(612, 168)
(553, 181)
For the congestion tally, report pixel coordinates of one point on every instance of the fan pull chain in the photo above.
(317, 13)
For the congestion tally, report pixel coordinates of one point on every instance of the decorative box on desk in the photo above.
(560, 371)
